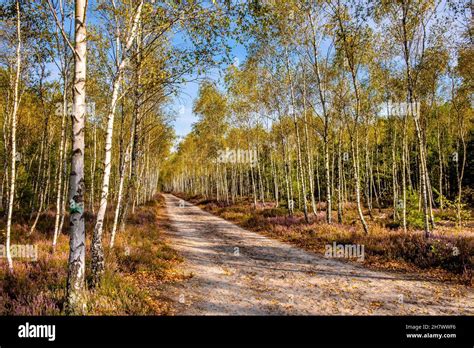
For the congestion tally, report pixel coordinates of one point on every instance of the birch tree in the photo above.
(97, 247)
(16, 102)
(77, 245)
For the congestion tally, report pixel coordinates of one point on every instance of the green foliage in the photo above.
(450, 211)
(415, 216)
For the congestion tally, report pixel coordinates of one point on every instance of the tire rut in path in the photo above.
(239, 272)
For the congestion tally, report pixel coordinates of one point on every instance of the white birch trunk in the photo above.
(77, 253)
(97, 247)
(13, 139)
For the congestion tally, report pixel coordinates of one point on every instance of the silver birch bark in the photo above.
(97, 247)
(13, 138)
(62, 144)
(77, 244)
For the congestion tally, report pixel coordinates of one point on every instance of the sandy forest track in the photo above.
(238, 272)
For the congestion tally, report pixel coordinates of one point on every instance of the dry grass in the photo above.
(385, 248)
(140, 261)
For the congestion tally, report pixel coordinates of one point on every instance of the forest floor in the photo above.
(233, 271)
(181, 260)
(448, 255)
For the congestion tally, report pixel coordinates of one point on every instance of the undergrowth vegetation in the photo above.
(136, 266)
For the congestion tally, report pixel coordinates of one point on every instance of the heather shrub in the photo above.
(274, 212)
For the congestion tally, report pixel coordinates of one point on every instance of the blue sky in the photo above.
(182, 105)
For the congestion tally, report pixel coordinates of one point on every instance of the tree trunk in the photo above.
(122, 167)
(16, 103)
(298, 143)
(97, 250)
(76, 264)
(62, 144)
(309, 155)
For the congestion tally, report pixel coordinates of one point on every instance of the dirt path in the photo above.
(238, 272)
